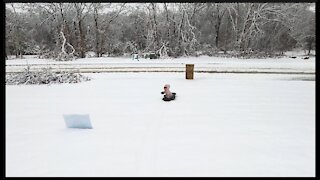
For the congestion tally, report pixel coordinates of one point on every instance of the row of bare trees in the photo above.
(67, 30)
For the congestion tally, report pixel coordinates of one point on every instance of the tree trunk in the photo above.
(79, 14)
(97, 32)
(155, 27)
(82, 49)
(217, 36)
(180, 36)
(244, 29)
(67, 34)
(173, 42)
(167, 22)
(102, 42)
(218, 23)
(17, 40)
(76, 35)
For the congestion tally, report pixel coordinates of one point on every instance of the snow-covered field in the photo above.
(219, 125)
(202, 64)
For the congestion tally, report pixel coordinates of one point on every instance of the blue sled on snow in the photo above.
(78, 121)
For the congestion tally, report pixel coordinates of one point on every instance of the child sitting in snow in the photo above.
(168, 95)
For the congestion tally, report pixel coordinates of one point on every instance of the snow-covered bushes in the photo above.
(65, 57)
(91, 54)
(45, 76)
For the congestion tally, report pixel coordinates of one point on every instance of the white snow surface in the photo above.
(203, 63)
(220, 125)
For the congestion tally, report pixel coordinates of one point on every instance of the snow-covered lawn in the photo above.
(203, 63)
(219, 125)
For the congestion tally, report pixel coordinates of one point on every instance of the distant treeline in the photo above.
(167, 29)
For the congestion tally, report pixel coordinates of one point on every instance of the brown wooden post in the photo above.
(189, 71)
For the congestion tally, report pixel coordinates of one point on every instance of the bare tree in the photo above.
(169, 29)
(216, 15)
(61, 5)
(82, 9)
(96, 8)
(17, 34)
(106, 25)
(64, 56)
(303, 27)
(153, 29)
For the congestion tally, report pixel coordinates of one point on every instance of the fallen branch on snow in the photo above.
(46, 76)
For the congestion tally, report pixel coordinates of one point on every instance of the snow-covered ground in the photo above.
(202, 64)
(219, 125)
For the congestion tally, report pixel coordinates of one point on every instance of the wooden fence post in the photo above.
(189, 71)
